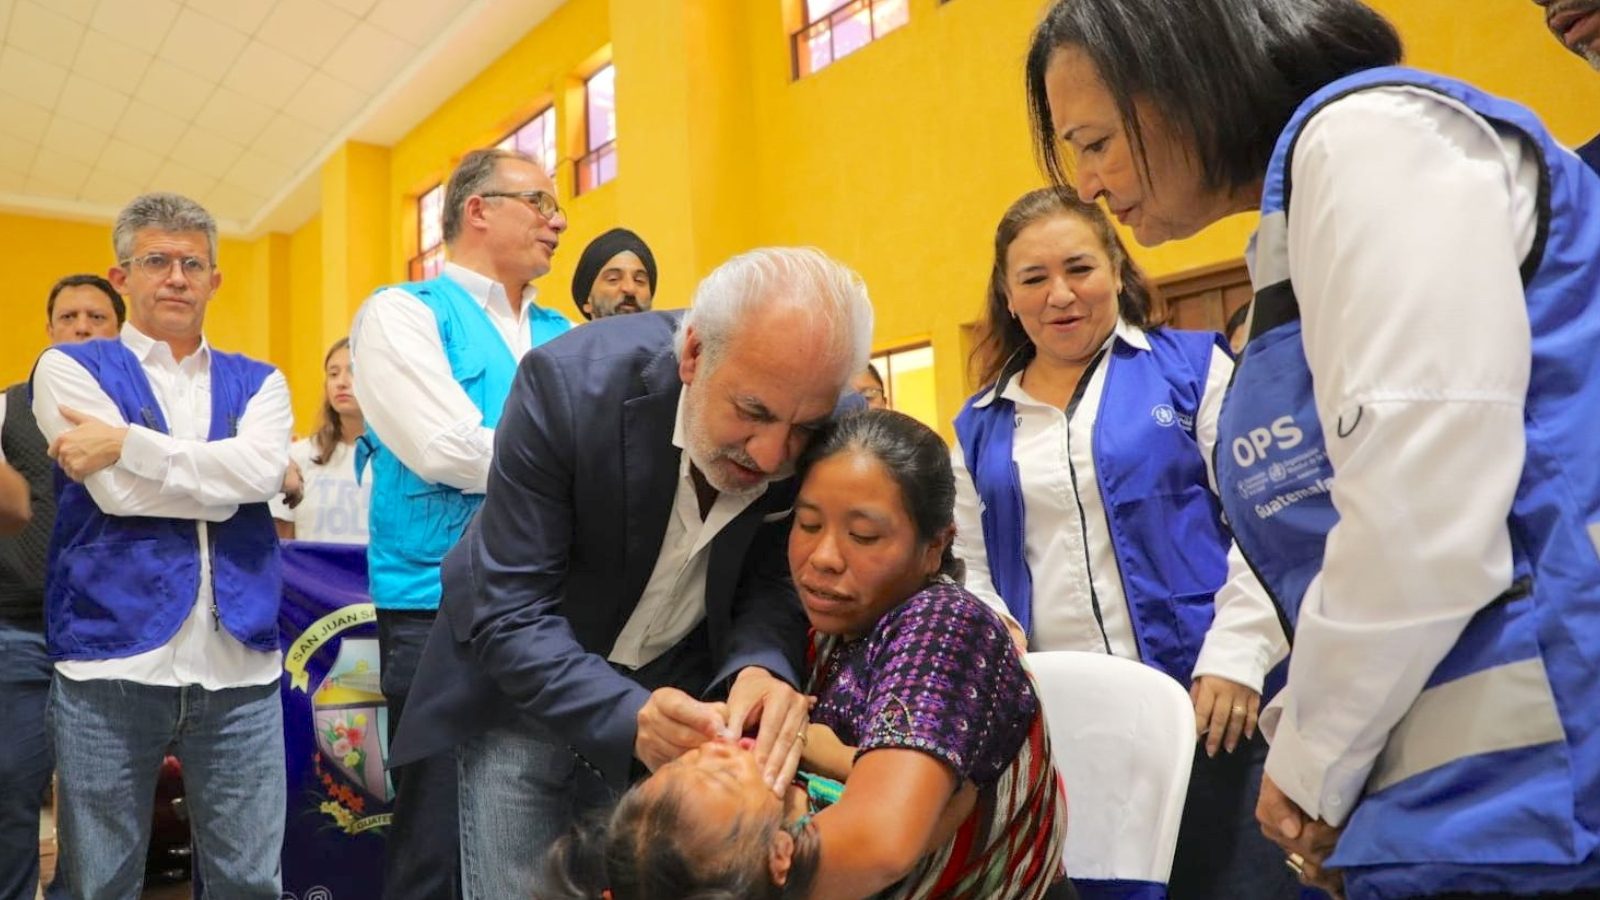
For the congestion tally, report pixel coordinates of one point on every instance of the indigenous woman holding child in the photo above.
(924, 712)
(1408, 450)
(1086, 514)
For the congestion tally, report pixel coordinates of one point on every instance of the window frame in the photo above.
(429, 260)
(883, 360)
(590, 168)
(551, 165)
(799, 41)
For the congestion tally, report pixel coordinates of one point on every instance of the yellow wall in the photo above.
(900, 158)
(39, 251)
(303, 362)
(897, 159)
(537, 71)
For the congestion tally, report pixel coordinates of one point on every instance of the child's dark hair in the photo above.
(637, 852)
(914, 455)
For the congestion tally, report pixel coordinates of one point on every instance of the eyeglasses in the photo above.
(157, 265)
(542, 201)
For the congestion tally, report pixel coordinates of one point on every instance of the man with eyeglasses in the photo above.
(869, 384)
(433, 363)
(164, 580)
(79, 308)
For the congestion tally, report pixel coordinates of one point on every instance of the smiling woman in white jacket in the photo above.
(1086, 512)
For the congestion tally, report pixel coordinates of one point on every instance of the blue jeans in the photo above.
(519, 793)
(110, 738)
(26, 759)
(523, 787)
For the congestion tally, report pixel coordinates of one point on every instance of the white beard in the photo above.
(702, 455)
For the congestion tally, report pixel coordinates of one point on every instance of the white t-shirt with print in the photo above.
(334, 510)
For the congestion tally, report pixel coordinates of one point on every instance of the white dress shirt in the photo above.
(334, 507)
(1410, 218)
(1067, 554)
(674, 599)
(405, 387)
(179, 475)
(3, 399)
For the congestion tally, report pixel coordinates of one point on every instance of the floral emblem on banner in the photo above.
(344, 735)
(348, 720)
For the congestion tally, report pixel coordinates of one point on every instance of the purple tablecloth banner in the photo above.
(335, 726)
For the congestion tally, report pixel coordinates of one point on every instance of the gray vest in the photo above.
(22, 558)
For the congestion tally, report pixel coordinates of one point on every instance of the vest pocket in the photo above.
(434, 518)
(1194, 613)
(119, 594)
(247, 581)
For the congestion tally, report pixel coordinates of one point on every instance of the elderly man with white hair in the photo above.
(623, 595)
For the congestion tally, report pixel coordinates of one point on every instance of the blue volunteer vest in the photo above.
(1165, 524)
(121, 585)
(1491, 782)
(412, 522)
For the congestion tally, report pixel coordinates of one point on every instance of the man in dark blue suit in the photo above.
(628, 563)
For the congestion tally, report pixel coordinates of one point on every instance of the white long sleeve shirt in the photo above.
(1409, 219)
(179, 475)
(1069, 555)
(407, 392)
(674, 599)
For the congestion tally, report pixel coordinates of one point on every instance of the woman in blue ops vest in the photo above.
(1409, 454)
(1086, 515)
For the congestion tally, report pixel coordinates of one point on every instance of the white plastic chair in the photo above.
(1123, 738)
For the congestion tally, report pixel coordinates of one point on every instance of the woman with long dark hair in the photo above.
(1407, 455)
(1086, 515)
(333, 506)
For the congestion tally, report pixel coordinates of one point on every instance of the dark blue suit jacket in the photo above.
(537, 590)
(1590, 153)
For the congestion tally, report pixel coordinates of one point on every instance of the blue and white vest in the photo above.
(1492, 779)
(413, 523)
(1165, 523)
(121, 585)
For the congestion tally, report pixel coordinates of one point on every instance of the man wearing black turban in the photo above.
(616, 274)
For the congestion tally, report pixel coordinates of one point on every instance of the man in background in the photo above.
(79, 308)
(1576, 24)
(164, 580)
(869, 384)
(616, 275)
(433, 362)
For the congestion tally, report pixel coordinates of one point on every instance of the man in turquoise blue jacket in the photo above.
(433, 364)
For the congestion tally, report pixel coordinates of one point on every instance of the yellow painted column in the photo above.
(355, 244)
(683, 104)
(271, 271)
(355, 233)
(302, 340)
